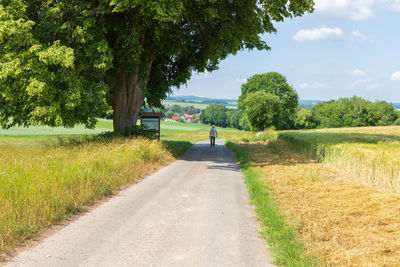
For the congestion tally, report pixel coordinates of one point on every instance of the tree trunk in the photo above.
(127, 99)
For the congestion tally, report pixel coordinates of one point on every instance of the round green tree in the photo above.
(215, 114)
(304, 119)
(276, 84)
(64, 62)
(234, 117)
(262, 110)
(169, 114)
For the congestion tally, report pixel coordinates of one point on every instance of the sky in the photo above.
(344, 48)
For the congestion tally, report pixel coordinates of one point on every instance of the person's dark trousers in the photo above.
(212, 140)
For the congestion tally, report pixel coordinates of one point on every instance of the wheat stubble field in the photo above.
(339, 189)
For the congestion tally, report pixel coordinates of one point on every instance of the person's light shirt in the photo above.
(213, 132)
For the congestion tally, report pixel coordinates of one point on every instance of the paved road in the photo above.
(194, 212)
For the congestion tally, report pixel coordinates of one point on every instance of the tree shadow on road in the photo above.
(219, 156)
(227, 167)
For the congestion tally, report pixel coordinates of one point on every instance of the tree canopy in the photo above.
(234, 117)
(68, 61)
(262, 110)
(275, 84)
(304, 119)
(215, 114)
(353, 112)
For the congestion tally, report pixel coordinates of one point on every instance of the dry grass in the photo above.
(342, 222)
(368, 154)
(372, 164)
(43, 185)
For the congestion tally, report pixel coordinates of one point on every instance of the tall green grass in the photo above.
(251, 137)
(285, 248)
(42, 185)
(371, 158)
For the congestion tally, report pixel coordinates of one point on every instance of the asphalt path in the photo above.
(194, 212)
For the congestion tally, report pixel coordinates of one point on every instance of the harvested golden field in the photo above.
(340, 220)
(384, 130)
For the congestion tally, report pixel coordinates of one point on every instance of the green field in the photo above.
(45, 130)
(103, 125)
(168, 130)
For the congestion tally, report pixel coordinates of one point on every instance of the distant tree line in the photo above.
(221, 116)
(207, 101)
(212, 101)
(268, 101)
(263, 110)
(347, 112)
(176, 109)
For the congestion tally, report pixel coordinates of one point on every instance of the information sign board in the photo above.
(151, 121)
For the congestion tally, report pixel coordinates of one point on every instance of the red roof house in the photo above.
(175, 118)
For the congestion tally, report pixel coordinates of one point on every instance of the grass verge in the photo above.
(286, 249)
(177, 148)
(40, 186)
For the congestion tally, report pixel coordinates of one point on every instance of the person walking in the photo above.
(213, 135)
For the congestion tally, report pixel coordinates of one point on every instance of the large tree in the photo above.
(64, 62)
(262, 110)
(275, 84)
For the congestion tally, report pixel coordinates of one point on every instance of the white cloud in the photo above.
(396, 5)
(360, 83)
(395, 76)
(351, 9)
(367, 84)
(323, 33)
(358, 72)
(356, 10)
(241, 80)
(202, 75)
(315, 85)
(360, 36)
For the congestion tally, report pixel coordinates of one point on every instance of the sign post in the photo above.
(152, 121)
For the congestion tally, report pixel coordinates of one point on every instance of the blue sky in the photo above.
(344, 48)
